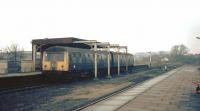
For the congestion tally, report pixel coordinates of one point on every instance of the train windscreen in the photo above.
(52, 56)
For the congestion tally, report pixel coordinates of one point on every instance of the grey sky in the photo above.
(143, 25)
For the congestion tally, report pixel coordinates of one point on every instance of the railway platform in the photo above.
(15, 80)
(19, 74)
(173, 91)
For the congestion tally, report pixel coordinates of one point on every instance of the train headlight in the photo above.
(62, 67)
(45, 66)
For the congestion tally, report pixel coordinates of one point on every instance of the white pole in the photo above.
(150, 60)
(95, 61)
(34, 56)
(126, 59)
(108, 48)
(118, 61)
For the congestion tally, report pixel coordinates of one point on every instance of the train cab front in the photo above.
(54, 64)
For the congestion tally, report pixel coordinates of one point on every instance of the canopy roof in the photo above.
(42, 44)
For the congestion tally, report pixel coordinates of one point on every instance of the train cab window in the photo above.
(54, 56)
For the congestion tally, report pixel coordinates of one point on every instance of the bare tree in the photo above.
(183, 50)
(14, 51)
(178, 51)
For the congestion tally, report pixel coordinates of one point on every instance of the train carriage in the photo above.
(76, 62)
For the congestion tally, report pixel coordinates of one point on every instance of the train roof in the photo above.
(45, 43)
(65, 48)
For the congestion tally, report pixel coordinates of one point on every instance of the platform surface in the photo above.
(176, 93)
(19, 74)
(172, 91)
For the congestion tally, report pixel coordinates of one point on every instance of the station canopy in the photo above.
(42, 44)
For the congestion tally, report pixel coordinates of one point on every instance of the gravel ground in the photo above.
(65, 96)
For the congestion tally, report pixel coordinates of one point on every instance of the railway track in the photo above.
(97, 100)
(29, 86)
(13, 90)
(142, 85)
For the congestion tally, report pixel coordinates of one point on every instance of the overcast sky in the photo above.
(142, 25)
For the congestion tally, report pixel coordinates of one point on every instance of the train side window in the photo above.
(123, 60)
(103, 57)
(83, 56)
(91, 57)
(73, 58)
(78, 57)
(98, 57)
(115, 58)
(87, 58)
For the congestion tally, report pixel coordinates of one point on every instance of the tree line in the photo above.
(180, 53)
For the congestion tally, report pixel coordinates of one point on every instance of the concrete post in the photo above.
(118, 61)
(34, 55)
(150, 60)
(108, 49)
(41, 58)
(133, 59)
(126, 59)
(95, 62)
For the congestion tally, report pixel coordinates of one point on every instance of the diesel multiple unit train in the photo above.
(68, 61)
